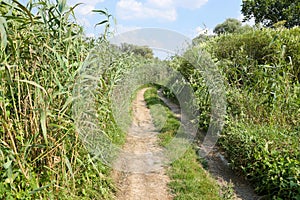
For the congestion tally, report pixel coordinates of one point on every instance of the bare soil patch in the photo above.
(219, 168)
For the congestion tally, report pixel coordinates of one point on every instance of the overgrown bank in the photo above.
(41, 153)
(261, 134)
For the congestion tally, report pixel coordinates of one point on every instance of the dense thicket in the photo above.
(231, 25)
(261, 136)
(41, 153)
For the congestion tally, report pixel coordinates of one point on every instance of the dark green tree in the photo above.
(270, 12)
(231, 25)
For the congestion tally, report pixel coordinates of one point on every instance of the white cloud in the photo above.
(159, 9)
(132, 9)
(83, 12)
(161, 3)
(91, 2)
(191, 4)
(85, 9)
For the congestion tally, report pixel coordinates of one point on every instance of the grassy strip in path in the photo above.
(188, 179)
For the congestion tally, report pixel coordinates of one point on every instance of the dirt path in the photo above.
(140, 174)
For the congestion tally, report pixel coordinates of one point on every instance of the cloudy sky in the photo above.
(188, 17)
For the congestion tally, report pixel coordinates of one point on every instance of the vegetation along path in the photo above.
(232, 185)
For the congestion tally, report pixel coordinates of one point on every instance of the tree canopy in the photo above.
(231, 25)
(270, 12)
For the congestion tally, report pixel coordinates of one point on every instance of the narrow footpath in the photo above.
(139, 170)
(140, 174)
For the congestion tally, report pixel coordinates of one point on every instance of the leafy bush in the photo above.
(259, 47)
(262, 134)
(231, 25)
(261, 137)
(269, 156)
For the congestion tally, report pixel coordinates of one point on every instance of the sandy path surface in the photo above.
(139, 172)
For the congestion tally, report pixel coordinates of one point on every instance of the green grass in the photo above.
(188, 178)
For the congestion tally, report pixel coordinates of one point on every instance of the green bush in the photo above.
(269, 156)
(259, 47)
(261, 135)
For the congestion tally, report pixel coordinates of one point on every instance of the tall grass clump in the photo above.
(41, 154)
(261, 136)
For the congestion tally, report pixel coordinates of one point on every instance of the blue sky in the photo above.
(188, 17)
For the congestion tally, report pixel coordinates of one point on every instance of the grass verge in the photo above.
(188, 179)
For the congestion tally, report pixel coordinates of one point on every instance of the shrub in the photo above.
(269, 156)
(259, 47)
(261, 137)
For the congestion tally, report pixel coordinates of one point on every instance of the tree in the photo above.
(231, 25)
(137, 50)
(270, 12)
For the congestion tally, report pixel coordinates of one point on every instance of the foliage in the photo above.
(201, 38)
(196, 80)
(268, 47)
(261, 71)
(230, 25)
(269, 156)
(271, 12)
(263, 92)
(41, 154)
